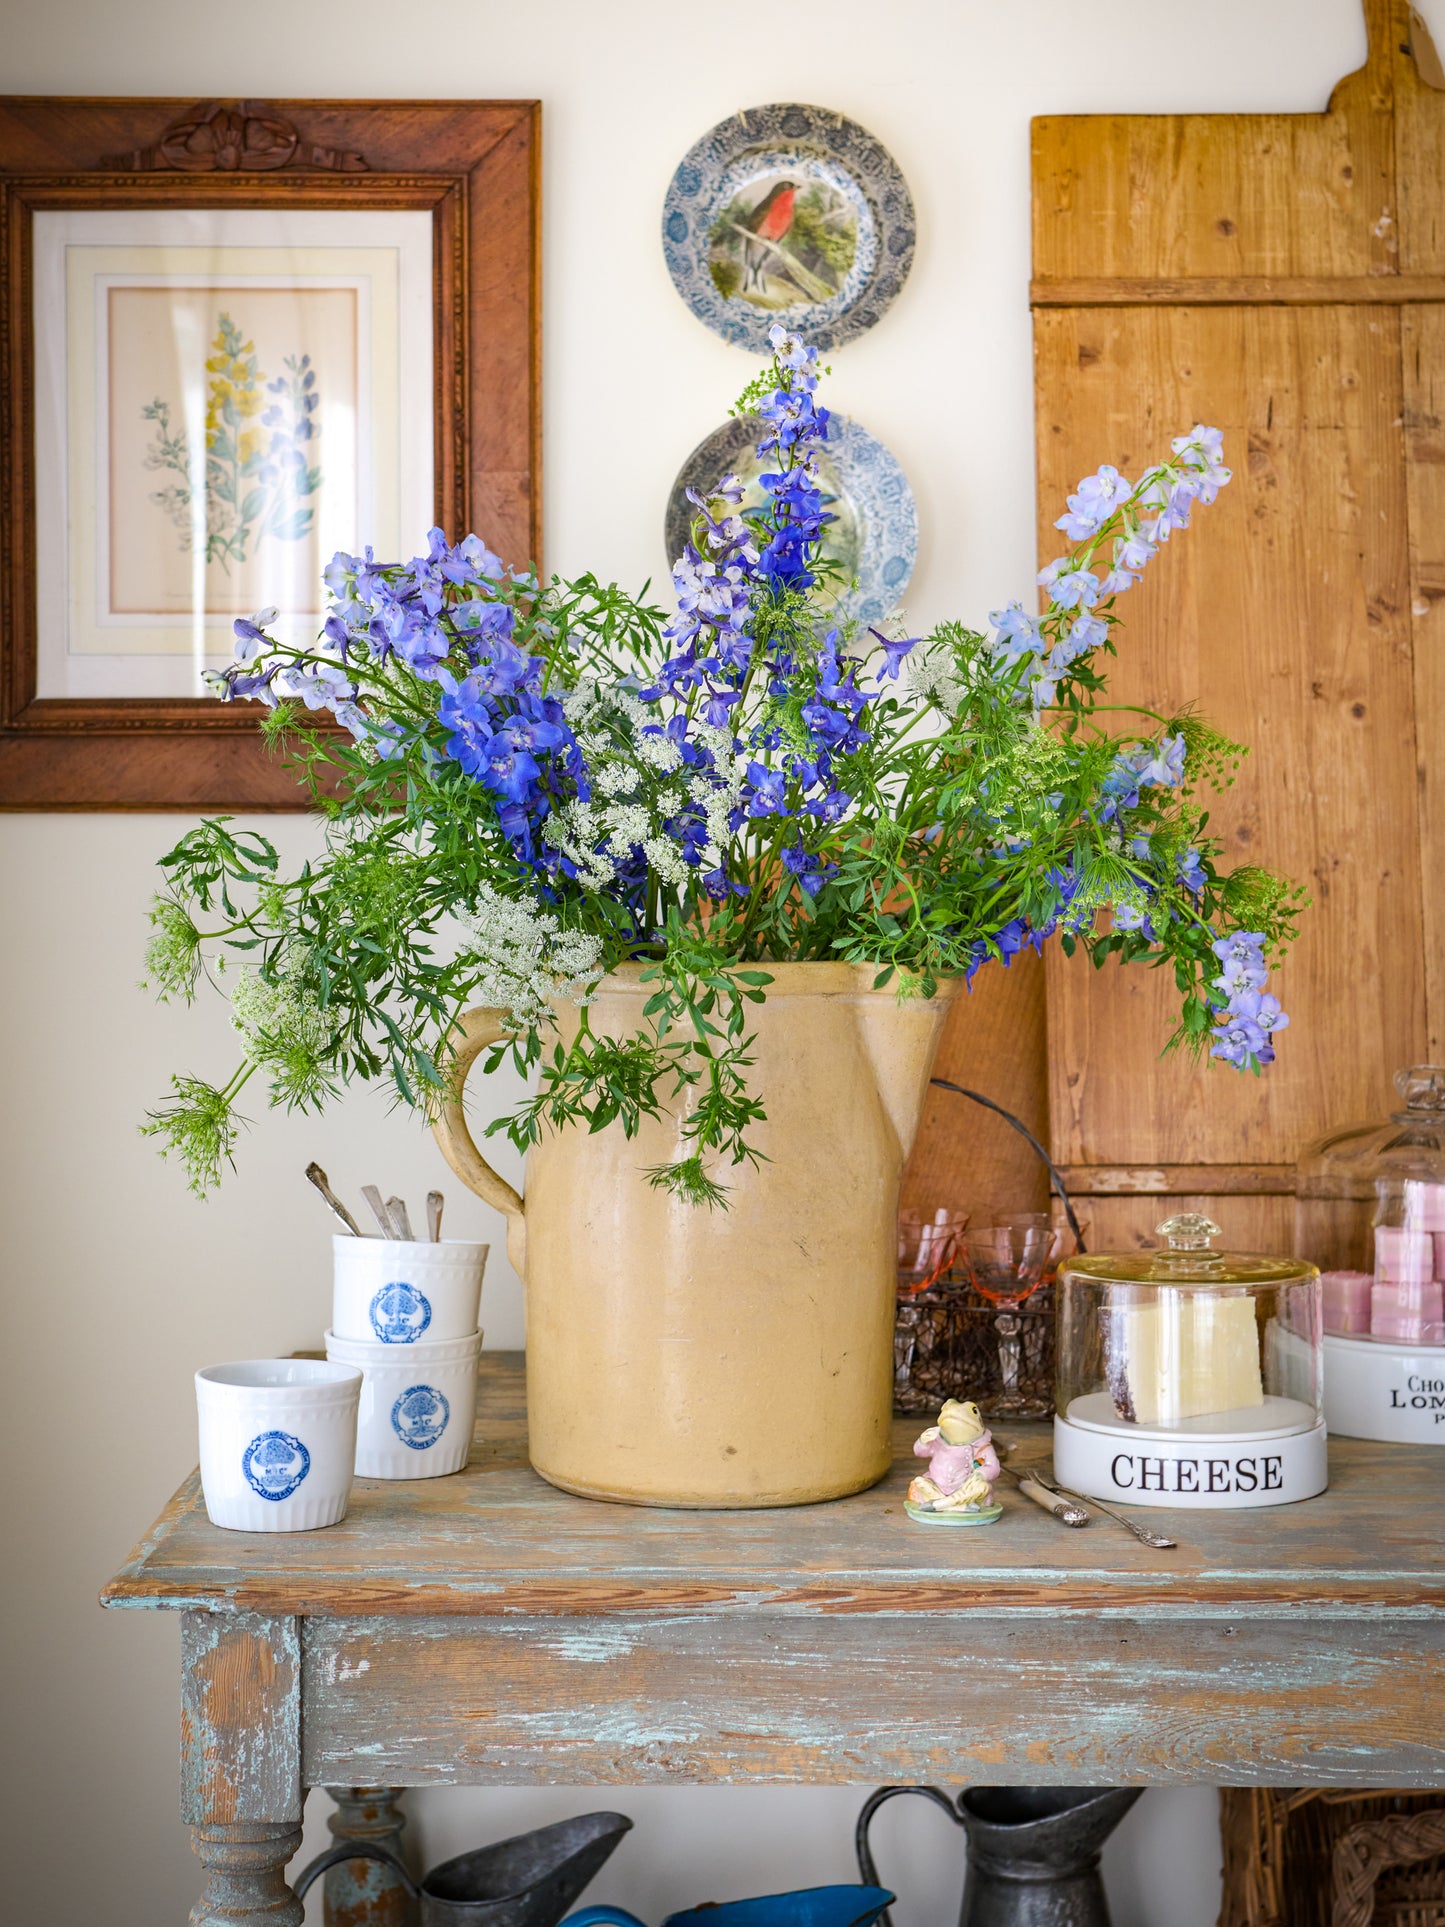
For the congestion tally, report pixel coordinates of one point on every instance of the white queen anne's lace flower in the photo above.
(274, 1016)
(528, 959)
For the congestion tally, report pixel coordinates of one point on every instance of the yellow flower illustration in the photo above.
(258, 477)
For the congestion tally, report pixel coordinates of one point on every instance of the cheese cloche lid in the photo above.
(1187, 1257)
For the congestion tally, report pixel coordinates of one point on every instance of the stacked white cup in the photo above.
(405, 1312)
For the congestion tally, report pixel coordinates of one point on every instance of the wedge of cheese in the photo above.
(1181, 1355)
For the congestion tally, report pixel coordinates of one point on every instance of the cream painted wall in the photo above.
(116, 1283)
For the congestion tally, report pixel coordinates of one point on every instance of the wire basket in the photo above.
(945, 1346)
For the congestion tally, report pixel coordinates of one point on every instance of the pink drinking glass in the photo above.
(1006, 1263)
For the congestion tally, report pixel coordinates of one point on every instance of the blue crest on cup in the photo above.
(275, 1463)
(419, 1416)
(399, 1314)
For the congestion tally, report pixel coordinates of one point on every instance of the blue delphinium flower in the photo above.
(1191, 871)
(1098, 497)
(1248, 1015)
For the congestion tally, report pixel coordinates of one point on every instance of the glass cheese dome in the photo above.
(1370, 1212)
(1189, 1376)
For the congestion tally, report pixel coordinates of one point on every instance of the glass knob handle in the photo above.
(1188, 1231)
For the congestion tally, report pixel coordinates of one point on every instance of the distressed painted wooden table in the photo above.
(485, 1629)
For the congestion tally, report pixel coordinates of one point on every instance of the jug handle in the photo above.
(602, 1917)
(475, 1030)
(352, 1850)
(868, 1872)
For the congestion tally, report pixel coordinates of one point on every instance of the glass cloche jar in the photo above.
(1370, 1212)
(1189, 1376)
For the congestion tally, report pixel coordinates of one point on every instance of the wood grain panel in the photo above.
(1279, 275)
(1423, 344)
(240, 1719)
(1189, 195)
(1246, 1223)
(1282, 614)
(962, 1698)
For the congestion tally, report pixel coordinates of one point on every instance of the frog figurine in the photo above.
(957, 1489)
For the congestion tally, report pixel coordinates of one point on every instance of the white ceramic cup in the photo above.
(394, 1293)
(278, 1442)
(418, 1404)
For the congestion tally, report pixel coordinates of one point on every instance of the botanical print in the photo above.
(259, 469)
(232, 418)
(783, 242)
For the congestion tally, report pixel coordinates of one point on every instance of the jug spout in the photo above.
(900, 1035)
(528, 1881)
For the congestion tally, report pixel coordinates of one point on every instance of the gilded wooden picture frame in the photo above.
(237, 336)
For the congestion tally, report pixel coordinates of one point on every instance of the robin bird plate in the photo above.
(788, 213)
(873, 536)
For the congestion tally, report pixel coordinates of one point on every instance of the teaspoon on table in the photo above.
(1142, 1533)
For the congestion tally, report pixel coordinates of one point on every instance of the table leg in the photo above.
(245, 1865)
(241, 1786)
(365, 1893)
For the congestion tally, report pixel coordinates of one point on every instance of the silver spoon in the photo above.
(396, 1210)
(1064, 1510)
(434, 1203)
(318, 1177)
(378, 1210)
(1141, 1533)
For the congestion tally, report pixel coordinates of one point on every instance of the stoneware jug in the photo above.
(1033, 1851)
(678, 1355)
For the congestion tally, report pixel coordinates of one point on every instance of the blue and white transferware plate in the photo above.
(788, 213)
(874, 536)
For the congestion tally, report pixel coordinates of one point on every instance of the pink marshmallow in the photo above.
(1439, 1254)
(1424, 1205)
(1404, 1313)
(1408, 1329)
(1423, 1299)
(1403, 1256)
(1346, 1297)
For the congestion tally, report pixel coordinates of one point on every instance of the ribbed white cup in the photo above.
(396, 1293)
(418, 1404)
(278, 1442)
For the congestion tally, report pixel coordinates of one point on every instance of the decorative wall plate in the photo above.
(788, 213)
(875, 535)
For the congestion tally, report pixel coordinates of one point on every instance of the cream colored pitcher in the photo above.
(683, 1356)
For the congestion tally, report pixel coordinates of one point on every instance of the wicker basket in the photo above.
(945, 1346)
(1303, 1858)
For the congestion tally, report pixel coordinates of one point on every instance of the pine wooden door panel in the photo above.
(1282, 615)
(1282, 276)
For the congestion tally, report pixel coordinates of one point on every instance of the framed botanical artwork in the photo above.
(238, 337)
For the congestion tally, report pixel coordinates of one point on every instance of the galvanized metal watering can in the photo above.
(528, 1881)
(1033, 1851)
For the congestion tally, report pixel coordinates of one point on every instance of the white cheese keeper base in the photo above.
(1390, 1392)
(401, 1293)
(418, 1404)
(278, 1442)
(1279, 1459)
